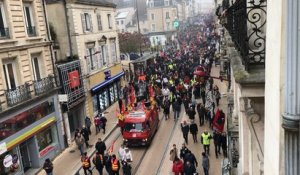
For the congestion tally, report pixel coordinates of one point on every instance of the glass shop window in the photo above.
(44, 138)
(9, 163)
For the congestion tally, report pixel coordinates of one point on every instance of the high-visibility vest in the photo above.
(114, 165)
(205, 137)
(86, 162)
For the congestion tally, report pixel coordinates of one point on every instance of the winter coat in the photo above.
(173, 154)
(205, 162)
(79, 140)
(100, 147)
(177, 167)
(193, 128)
(189, 169)
(185, 128)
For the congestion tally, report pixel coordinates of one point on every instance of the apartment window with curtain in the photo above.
(91, 58)
(10, 75)
(36, 67)
(29, 19)
(4, 30)
(167, 2)
(99, 22)
(113, 50)
(109, 18)
(103, 54)
(87, 24)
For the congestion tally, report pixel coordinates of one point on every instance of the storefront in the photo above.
(106, 93)
(29, 137)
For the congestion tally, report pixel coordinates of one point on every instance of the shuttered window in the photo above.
(87, 25)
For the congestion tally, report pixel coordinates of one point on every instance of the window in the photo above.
(151, 4)
(99, 22)
(152, 16)
(10, 75)
(168, 25)
(20, 121)
(86, 20)
(29, 20)
(44, 138)
(109, 21)
(133, 127)
(167, 2)
(4, 32)
(117, 22)
(104, 54)
(167, 15)
(153, 27)
(113, 50)
(91, 58)
(122, 22)
(36, 68)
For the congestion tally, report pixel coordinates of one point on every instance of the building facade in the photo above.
(91, 36)
(246, 123)
(30, 121)
(161, 16)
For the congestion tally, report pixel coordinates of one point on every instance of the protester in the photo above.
(86, 164)
(48, 166)
(127, 155)
(185, 128)
(126, 168)
(98, 161)
(115, 165)
(88, 124)
(100, 146)
(79, 140)
(173, 153)
(177, 168)
(205, 163)
(85, 133)
(194, 130)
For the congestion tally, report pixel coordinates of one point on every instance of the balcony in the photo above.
(4, 33)
(246, 24)
(28, 91)
(43, 85)
(18, 95)
(31, 31)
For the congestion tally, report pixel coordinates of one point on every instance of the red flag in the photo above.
(219, 121)
(111, 148)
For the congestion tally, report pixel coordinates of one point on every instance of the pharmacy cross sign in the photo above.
(176, 24)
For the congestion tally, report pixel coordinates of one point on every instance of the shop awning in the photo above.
(106, 82)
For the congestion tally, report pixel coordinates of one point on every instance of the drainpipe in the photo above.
(68, 27)
(49, 38)
(291, 115)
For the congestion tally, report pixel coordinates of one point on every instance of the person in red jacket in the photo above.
(177, 166)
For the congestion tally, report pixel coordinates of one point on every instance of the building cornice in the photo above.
(25, 46)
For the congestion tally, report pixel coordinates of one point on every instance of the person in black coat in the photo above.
(194, 130)
(189, 168)
(190, 157)
(191, 113)
(176, 108)
(185, 128)
(100, 146)
(224, 144)
(126, 168)
(217, 143)
(183, 151)
(98, 161)
(85, 133)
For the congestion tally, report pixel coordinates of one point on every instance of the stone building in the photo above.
(30, 121)
(88, 50)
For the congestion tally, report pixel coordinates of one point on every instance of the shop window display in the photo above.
(26, 118)
(95, 105)
(45, 138)
(116, 91)
(112, 94)
(9, 163)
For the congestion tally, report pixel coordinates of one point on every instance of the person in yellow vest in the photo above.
(86, 164)
(205, 140)
(115, 165)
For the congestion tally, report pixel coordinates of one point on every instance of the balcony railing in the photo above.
(246, 23)
(31, 31)
(43, 85)
(28, 91)
(18, 95)
(4, 33)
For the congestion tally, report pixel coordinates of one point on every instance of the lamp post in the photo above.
(138, 24)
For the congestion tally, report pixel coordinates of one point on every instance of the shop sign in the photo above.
(46, 151)
(3, 148)
(107, 74)
(74, 79)
(8, 161)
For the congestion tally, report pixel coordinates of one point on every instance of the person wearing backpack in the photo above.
(98, 162)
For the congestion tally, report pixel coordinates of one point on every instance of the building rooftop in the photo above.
(104, 3)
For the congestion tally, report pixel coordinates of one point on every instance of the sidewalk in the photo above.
(197, 148)
(68, 162)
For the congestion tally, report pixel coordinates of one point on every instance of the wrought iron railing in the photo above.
(18, 95)
(4, 32)
(246, 23)
(43, 85)
(31, 31)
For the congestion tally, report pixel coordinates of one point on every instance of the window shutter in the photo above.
(95, 59)
(91, 23)
(83, 23)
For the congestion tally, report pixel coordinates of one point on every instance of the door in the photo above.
(25, 156)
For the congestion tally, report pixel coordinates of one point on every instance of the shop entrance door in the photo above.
(25, 156)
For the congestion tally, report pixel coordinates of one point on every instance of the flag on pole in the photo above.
(219, 121)
(111, 148)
